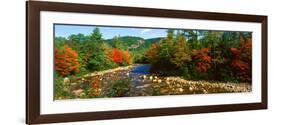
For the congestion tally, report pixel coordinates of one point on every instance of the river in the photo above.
(140, 86)
(143, 83)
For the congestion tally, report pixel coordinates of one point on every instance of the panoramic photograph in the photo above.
(109, 61)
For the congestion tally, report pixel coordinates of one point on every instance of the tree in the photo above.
(170, 53)
(120, 57)
(66, 61)
(152, 53)
(95, 56)
(59, 42)
(193, 37)
(117, 43)
(203, 60)
(76, 41)
(166, 47)
(170, 34)
(78, 38)
(99, 61)
(242, 59)
(127, 57)
(117, 55)
(181, 52)
(96, 36)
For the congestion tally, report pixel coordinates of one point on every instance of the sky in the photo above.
(108, 32)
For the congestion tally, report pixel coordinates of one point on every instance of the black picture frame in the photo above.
(33, 9)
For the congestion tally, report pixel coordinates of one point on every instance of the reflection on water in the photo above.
(142, 69)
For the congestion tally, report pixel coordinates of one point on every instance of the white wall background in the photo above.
(12, 63)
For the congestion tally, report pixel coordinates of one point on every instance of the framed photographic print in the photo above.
(93, 62)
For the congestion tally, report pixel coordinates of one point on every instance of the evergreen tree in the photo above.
(96, 35)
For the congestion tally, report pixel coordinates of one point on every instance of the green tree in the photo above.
(193, 37)
(170, 53)
(59, 42)
(94, 56)
(76, 41)
(96, 36)
(78, 38)
(181, 54)
(170, 34)
(166, 46)
(100, 61)
(117, 43)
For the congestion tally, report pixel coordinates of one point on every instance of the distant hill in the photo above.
(153, 40)
(133, 42)
(150, 41)
(128, 40)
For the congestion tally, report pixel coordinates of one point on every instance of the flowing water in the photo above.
(143, 83)
(140, 86)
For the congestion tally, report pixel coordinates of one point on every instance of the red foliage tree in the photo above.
(203, 59)
(242, 58)
(66, 61)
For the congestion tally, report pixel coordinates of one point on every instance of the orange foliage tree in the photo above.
(203, 59)
(66, 61)
(127, 57)
(120, 57)
(116, 55)
(152, 53)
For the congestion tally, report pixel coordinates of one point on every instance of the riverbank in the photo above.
(108, 71)
(135, 80)
(178, 85)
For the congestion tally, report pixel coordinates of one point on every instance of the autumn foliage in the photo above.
(66, 61)
(203, 59)
(116, 55)
(152, 52)
(96, 88)
(127, 57)
(119, 56)
(242, 58)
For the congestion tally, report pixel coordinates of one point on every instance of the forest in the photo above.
(185, 61)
